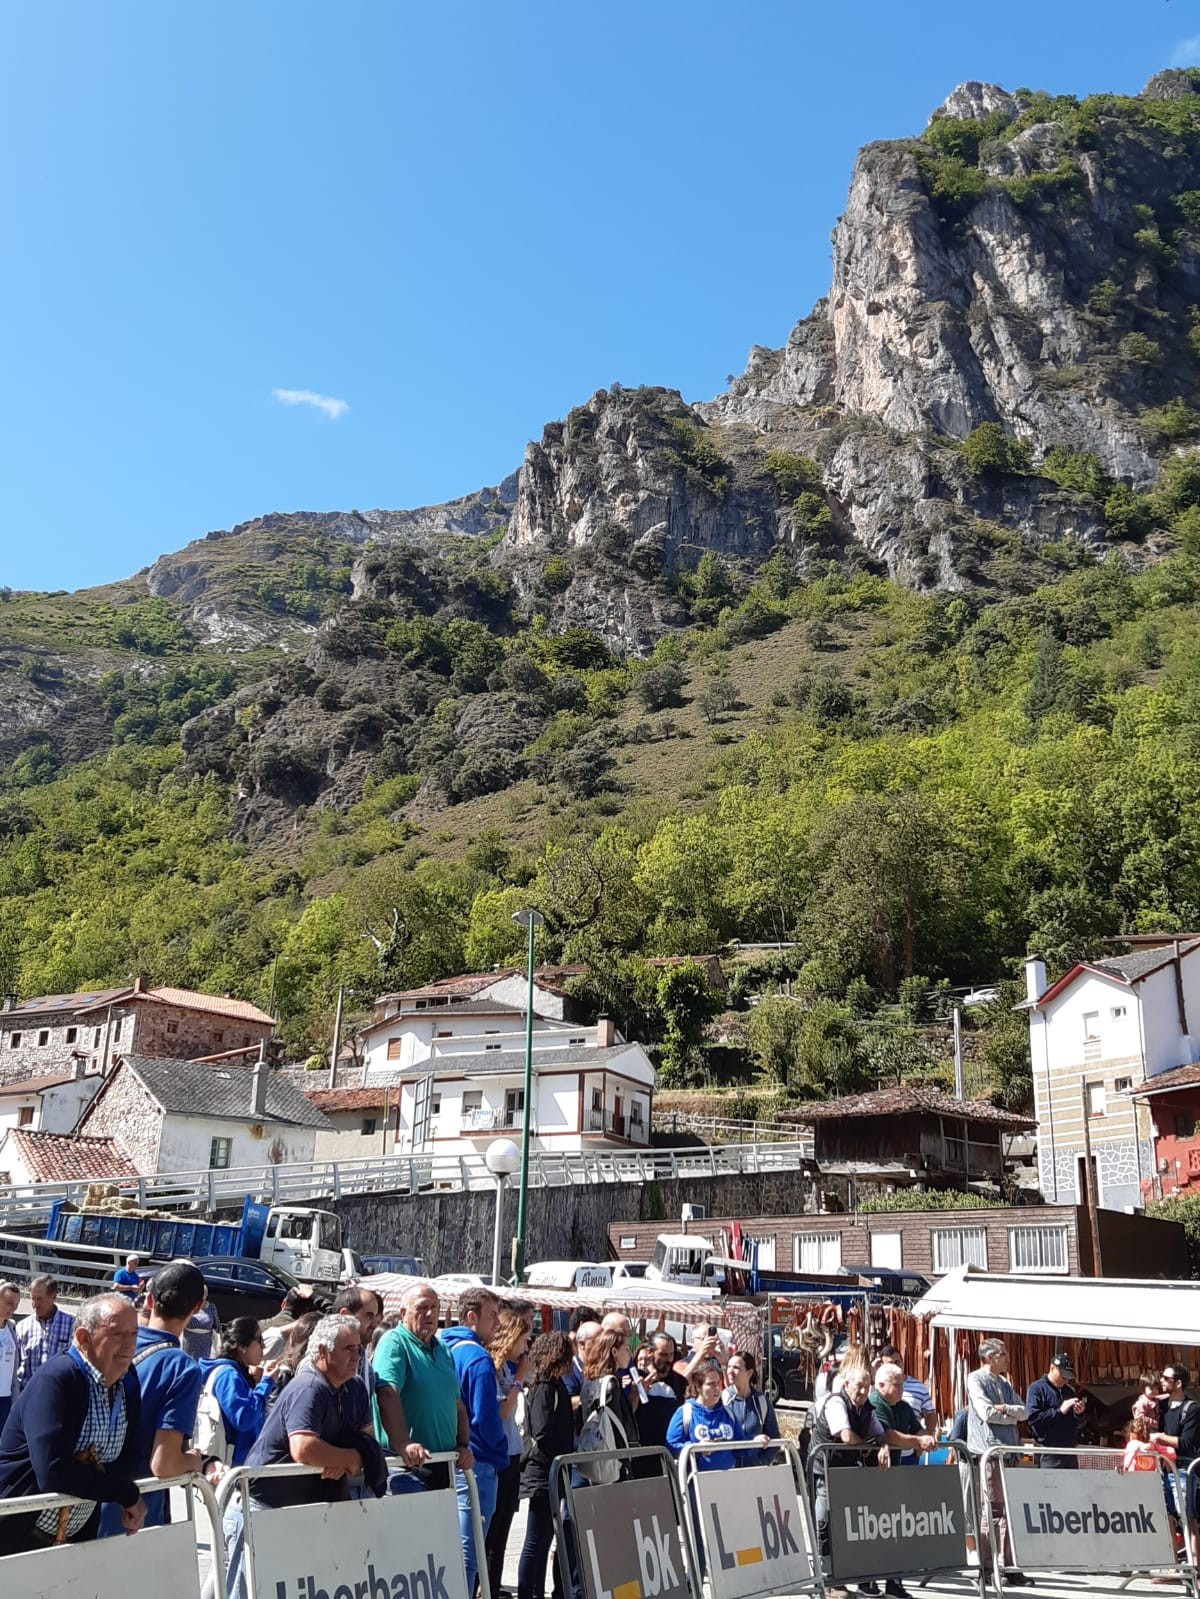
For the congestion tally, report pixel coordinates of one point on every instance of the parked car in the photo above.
(891, 1280)
(240, 1287)
(402, 1265)
(790, 1375)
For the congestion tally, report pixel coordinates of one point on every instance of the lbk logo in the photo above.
(657, 1569)
(776, 1540)
(629, 1541)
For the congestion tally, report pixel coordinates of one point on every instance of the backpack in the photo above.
(208, 1434)
(601, 1433)
(958, 1427)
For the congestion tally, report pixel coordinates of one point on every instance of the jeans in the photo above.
(508, 1492)
(416, 1482)
(485, 1485)
(539, 1535)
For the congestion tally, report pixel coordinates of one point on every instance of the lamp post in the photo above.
(502, 1159)
(532, 920)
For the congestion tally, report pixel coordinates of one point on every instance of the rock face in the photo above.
(1028, 262)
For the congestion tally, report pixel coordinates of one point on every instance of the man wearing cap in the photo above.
(1053, 1410)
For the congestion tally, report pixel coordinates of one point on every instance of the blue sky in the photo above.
(456, 220)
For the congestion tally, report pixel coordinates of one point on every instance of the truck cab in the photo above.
(306, 1242)
(679, 1258)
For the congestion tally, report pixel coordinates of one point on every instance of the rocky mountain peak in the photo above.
(972, 102)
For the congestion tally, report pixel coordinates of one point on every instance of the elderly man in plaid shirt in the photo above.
(44, 1334)
(75, 1429)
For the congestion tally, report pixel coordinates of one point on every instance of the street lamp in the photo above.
(502, 1159)
(532, 920)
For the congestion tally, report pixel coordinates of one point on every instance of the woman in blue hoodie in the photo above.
(703, 1419)
(229, 1385)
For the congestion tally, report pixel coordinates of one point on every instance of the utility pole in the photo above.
(959, 1089)
(1089, 1179)
(337, 1040)
(532, 920)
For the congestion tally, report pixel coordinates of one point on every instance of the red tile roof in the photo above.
(190, 999)
(1164, 1082)
(330, 1100)
(903, 1102)
(63, 1157)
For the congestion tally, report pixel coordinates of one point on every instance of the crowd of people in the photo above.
(142, 1382)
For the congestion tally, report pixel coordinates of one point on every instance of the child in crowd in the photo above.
(1148, 1404)
(1140, 1453)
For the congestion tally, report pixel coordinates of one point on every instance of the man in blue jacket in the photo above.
(170, 1382)
(1053, 1409)
(477, 1386)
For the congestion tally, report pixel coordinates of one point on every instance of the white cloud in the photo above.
(319, 402)
(1187, 52)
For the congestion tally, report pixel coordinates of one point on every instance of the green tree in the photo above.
(686, 1002)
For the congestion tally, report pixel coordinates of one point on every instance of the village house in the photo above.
(1110, 1043)
(910, 1138)
(31, 1157)
(187, 1116)
(361, 1121)
(76, 1037)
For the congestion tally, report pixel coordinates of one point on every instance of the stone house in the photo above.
(187, 1116)
(360, 1121)
(54, 1033)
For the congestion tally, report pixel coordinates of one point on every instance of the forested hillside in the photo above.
(685, 681)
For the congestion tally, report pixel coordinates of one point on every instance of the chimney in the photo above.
(139, 984)
(258, 1083)
(78, 1064)
(605, 1033)
(1035, 978)
(7, 1002)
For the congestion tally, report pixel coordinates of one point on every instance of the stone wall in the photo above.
(453, 1231)
(176, 1032)
(125, 1112)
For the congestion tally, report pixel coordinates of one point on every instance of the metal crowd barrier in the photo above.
(615, 1510)
(1104, 1464)
(89, 1556)
(240, 1479)
(954, 1555)
(779, 1575)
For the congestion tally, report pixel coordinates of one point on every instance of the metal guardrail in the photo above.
(25, 1208)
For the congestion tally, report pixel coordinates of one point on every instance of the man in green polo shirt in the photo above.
(418, 1411)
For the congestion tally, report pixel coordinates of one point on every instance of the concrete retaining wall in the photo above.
(453, 1231)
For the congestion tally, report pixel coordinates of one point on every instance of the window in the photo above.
(1037, 1249)
(490, 1032)
(958, 1246)
(370, 1124)
(628, 1241)
(218, 1038)
(25, 1116)
(44, 1036)
(816, 1251)
(635, 1113)
(1185, 1124)
(766, 1251)
(1123, 1085)
(435, 1104)
(597, 1099)
(1117, 1012)
(296, 1229)
(14, 1040)
(72, 1034)
(444, 1032)
(1094, 1093)
(96, 1039)
(472, 1100)
(1091, 1027)
(394, 1046)
(172, 1028)
(514, 1106)
(218, 1154)
(572, 1042)
(245, 1040)
(493, 1046)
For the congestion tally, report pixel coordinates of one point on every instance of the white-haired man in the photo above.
(419, 1408)
(322, 1419)
(75, 1430)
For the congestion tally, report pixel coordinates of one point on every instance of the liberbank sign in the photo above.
(886, 1523)
(403, 1546)
(1087, 1520)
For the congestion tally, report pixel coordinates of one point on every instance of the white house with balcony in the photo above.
(1105, 1029)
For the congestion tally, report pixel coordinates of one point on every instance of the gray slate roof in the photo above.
(189, 1088)
(1141, 962)
(504, 1062)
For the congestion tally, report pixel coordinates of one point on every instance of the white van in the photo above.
(567, 1276)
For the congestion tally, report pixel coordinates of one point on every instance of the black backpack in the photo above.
(958, 1427)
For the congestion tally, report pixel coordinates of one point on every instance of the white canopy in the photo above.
(1144, 1311)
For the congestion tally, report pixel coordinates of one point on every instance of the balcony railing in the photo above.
(489, 1120)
